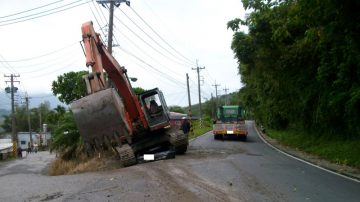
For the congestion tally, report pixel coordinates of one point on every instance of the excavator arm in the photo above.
(99, 59)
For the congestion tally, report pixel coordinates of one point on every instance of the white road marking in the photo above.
(302, 160)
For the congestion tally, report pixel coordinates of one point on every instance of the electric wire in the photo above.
(97, 21)
(157, 43)
(47, 14)
(156, 71)
(55, 70)
(166, 76)
(7, 65)
(41, 68)
(133, 55)
(39, 56)
(139, 37)
(49, 62)
(100, 11)
(22, 17)
(142, 51)
(191, 62)
(5, 16)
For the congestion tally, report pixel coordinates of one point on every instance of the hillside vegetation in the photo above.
(299, 62)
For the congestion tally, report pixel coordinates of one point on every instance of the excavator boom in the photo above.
(99, 58)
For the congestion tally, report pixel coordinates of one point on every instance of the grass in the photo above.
(336, 150)
(197, 130)
(82, 164)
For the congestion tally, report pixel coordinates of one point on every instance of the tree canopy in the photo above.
(69, 86)
(299, 62)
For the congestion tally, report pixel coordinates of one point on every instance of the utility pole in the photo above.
(216, 85)
(13, 118)
(40, 121)
(29, 118)
(188, 91)
(216, 94)
(198, 73)
(111, 17)
(111, 21)
(189, 100)
(226, 97)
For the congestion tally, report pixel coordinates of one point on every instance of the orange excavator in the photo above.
(113, 116)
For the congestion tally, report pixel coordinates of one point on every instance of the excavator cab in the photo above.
(155, 109)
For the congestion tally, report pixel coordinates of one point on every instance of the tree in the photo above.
(177, 109)
(21, 115)
(69, 86)
(54, 117)
(298, 62)
(138, 90)
(66, 137)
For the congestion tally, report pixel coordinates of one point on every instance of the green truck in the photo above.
(230, 121)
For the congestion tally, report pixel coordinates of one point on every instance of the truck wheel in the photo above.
(127, 155)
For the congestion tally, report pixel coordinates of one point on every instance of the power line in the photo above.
(102, 13)
(7, 65)
(5, 16)
(47, 14)
(49, 62)
(39, 56)
(56, 70)
(96, 19)
(42, 68)
(191, 62)
(170, 78)
(142, 51)
(139, 37)
(133, 55)
(161, 46)
(22, 17)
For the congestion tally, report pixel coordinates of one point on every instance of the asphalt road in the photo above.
(212, 170)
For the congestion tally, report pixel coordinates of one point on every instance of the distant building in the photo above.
(42, 139)
(6, 148)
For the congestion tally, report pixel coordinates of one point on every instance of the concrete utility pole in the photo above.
(226, 97)
(188, 91)
(111, 17)
(29, 118)
(189, 99)
(198, 73)
(216, 94)
(216, 85)
(13, 118)
(111, 21)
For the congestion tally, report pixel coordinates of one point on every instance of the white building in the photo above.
(6, 148)
(24, 139)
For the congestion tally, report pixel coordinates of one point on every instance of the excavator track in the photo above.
(127, 155)
(179, 140)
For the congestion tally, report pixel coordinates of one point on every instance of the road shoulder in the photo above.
(346, 171)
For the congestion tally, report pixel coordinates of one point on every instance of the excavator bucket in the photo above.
(100, 118)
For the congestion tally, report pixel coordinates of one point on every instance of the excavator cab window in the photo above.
(155, 108)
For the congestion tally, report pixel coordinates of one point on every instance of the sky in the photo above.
(158, 41)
